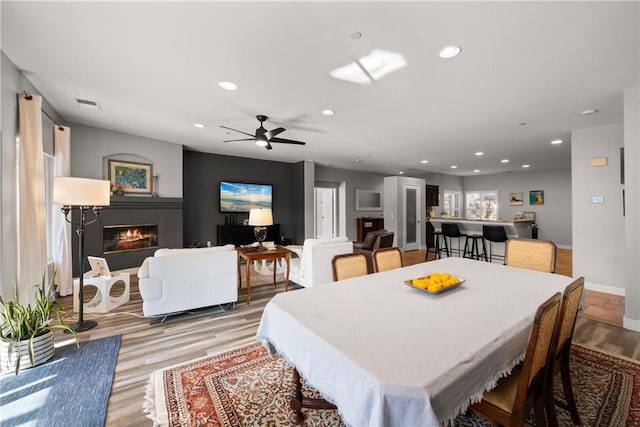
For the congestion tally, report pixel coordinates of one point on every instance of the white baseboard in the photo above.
(607, 289)
(631, 324)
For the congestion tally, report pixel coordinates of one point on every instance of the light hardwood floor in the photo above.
(146, 347)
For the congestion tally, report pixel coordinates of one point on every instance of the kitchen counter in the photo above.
(513, 227)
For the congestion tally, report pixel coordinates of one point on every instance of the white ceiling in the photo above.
(154, 69)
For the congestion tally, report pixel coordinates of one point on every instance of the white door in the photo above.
(325, 212)
(411, 223)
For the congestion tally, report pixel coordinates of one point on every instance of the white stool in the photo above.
(103, 302)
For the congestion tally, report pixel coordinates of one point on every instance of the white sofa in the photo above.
(175, 280)
(313, 265)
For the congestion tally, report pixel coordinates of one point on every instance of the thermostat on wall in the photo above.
(597, 199)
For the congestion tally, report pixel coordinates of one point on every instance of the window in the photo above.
(481, 204)
(452, 200)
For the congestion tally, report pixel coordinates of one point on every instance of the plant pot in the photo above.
(42, 351)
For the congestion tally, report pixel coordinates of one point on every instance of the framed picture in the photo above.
(515, 199)
(130, 177)
(536, 197)
(529, 215)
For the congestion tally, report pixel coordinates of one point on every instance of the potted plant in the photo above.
(26, 332)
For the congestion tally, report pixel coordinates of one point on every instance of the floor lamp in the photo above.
(85, 194)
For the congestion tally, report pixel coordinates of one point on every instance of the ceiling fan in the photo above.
(264, 137)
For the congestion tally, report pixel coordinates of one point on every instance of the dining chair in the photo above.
(387, 259)
(346, 266)
(511, 401)
(559, 354)
(531, 253)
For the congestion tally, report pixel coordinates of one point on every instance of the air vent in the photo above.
(85, 103)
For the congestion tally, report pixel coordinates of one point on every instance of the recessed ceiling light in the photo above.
(450, 51)
(356, 35)
(199, 125)
(504, 161)
(525, 166)
(358, 160)
(424, 161)
(454, 167)
(556, 142)
(479, 153)
(228, 85)
(328, 112)
(401, 172)
(476, 170)
(589, 111)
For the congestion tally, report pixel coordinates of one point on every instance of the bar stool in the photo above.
(473, 251)
(436, 249)
(452, 231)
(494, 234)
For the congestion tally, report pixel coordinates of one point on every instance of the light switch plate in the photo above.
(597, 199)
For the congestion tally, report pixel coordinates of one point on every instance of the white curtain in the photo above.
(61, 228)
(32, 239)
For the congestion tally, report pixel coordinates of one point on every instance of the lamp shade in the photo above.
(260, 217)
(72, 191)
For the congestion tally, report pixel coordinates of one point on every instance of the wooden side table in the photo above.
(250, 255)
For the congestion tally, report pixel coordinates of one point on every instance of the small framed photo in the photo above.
(536, 197)
(515, 199)
(130, 177)
(529, 215)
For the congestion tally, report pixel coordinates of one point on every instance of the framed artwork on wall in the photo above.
(536, 197)
(515, 199)
(130, 177)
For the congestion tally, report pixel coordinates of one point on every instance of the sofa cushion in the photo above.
(187, 251)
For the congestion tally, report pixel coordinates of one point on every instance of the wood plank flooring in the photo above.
(146, 347)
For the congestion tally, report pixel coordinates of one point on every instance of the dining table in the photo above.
(388, 354)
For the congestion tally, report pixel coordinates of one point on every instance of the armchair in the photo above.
(372, 241)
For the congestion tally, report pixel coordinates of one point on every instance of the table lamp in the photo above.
(86, 194)
(260, 218)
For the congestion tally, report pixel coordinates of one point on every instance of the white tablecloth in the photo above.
(390, 355)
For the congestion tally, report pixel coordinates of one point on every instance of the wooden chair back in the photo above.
(531, 253)
(387, 259)
(346, 266)
(559, 354)
(510, 402)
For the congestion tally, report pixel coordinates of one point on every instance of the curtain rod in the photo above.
(27, 95)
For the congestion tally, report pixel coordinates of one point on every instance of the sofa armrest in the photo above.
(143, 271)
(296, 249)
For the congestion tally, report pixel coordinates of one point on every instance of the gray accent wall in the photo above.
(598, 228)
(350, 181)
(202, 175)
(553, 218)
(91, 149)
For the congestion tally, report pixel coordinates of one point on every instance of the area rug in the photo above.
(246, 387)
(71, 389)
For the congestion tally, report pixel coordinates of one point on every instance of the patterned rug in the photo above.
(246, 387)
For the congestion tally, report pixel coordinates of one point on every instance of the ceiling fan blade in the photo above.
(236, 130)
(234, 140)
(287, 141)
(273, 133)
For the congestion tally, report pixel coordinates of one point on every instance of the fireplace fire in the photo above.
(123, 238)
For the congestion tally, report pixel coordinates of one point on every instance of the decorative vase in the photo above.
(43, 349)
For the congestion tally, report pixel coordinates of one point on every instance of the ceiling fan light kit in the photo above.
(263, 137)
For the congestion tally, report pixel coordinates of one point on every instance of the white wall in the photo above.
(352, 180)
(598, 228)
(553, 218)
(92, 147)
(631, 318)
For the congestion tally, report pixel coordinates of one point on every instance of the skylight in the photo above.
(371, 67)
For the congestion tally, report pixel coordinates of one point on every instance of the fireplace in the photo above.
(126, 238)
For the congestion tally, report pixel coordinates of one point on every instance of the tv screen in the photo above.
(242, 197)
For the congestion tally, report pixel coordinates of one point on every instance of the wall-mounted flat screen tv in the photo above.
(242, 197)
